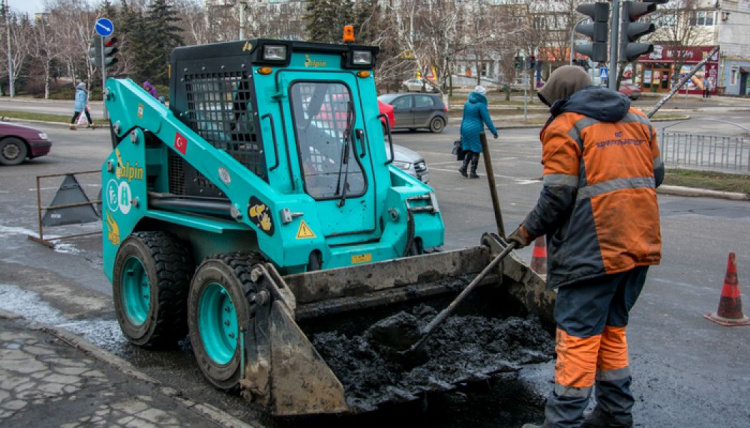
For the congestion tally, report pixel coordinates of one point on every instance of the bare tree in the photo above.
(18, 28)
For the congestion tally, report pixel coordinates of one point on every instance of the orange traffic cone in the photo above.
(730, 303)
(539, 256)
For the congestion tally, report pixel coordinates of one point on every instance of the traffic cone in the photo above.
(730, 303)
(539, 256)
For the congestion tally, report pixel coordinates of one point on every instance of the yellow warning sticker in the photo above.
(304, 231)
(362, 258)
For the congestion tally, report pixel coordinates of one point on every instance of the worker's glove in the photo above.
(495, 135)
(520, 237)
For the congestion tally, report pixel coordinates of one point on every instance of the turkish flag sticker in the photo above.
(180, 143)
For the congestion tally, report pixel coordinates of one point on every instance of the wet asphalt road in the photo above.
(688, 372)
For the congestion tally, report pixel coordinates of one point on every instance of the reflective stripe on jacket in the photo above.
(598, 205)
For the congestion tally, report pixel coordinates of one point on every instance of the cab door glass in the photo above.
(324, 119)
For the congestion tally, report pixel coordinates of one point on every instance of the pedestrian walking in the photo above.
(599, 212)
(476, 116)
(151, 89)
(706, 88)
(81, 106)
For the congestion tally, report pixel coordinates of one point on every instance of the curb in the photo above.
(689, 191)
(204, 410)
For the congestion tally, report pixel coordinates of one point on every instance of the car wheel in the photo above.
(150, 282)
(12, 151)
(437, 124)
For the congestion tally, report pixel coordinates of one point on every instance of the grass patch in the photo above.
(44, 117)
(708, 180)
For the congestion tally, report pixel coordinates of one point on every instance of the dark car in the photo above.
(18, 142)
(414, 111)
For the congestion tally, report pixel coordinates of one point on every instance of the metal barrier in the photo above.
(721, 153)
(72, 210)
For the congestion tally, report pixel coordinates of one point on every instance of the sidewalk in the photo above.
(52, 378)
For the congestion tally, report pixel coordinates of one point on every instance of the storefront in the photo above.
(657, 70)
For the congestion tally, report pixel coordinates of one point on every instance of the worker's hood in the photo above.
(602, 104)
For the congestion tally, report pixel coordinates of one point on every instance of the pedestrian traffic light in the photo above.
(95, 52)
(631, 30)
(110, 49)
(519, 61)
(532, 62)
(597, 32)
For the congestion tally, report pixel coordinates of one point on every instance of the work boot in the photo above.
(601, 419)
(72, 127)
(473, 173)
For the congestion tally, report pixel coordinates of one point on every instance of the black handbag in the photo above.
(458, 151)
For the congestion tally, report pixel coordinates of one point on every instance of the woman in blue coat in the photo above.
(476, 115)
(80, 106)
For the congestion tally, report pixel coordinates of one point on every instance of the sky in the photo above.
(27, 6)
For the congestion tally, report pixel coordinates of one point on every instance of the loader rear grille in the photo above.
(221, 109)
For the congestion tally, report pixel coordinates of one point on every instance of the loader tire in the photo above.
(150, 283)
(218, 313)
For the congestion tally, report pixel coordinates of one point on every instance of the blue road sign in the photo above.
(104, 27)
(603, 74)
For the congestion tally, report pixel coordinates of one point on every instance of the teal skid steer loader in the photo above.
(261, 205)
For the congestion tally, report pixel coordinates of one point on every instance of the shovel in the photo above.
(445, 313)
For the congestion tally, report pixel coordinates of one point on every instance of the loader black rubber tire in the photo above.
(218, 313)
(157, 319)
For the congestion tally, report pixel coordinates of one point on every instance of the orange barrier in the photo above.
(730, 303)
(539, 256)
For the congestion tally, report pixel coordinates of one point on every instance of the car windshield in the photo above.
(322, 111)
(387, 98)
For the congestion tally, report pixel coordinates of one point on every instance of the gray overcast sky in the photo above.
(27, 6)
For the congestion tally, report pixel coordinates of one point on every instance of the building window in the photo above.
(733, 74)
(703, 19)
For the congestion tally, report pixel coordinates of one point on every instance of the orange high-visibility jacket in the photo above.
(598, 205)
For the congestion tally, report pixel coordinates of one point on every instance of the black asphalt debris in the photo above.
(464, 349)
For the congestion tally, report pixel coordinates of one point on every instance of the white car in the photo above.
(415, 85)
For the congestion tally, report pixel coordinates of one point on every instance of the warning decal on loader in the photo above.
(304, 231)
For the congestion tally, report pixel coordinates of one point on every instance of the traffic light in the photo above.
(95, 52)
(631, 30)
(532, 62)
(110, 49)
(519, 61)
(597, 32)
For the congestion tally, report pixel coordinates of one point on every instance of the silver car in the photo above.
(410, 162)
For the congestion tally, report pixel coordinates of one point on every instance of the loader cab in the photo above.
(301, 116)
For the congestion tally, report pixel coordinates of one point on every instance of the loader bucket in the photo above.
(314, 348)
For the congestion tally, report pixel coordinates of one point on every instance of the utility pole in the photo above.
(613, 45)
(243, 8)
(11, 88)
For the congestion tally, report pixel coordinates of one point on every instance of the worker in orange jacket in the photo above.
(599, 211)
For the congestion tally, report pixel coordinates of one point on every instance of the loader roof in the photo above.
(253, 49)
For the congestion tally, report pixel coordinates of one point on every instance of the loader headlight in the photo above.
(361, 57)
(274, 53)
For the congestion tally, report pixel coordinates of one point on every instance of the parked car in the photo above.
(631, 90)
(387, 111)
(413, 111)
(410, 162)
(19, 142)
(418, 85)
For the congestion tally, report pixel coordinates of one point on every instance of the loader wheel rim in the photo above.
(217, 322)
(136, 291)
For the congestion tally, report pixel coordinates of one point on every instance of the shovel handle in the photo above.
(429, 328)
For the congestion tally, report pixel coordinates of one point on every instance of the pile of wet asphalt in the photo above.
(464, 349)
